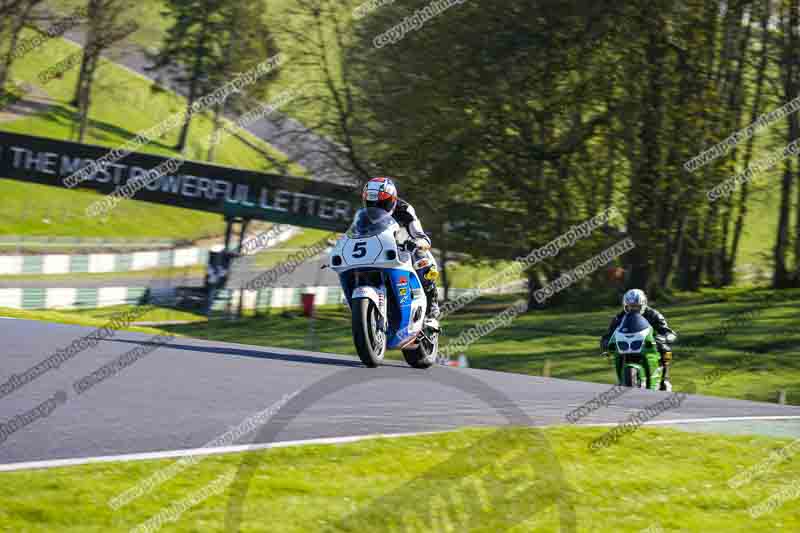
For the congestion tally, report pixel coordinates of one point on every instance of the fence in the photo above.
(101, 262)
(69, 298)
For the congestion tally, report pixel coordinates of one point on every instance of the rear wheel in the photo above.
(424, 355)
(369, 340)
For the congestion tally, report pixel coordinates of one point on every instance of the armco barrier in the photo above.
(83, 263)
(100, 262)
(69, 298)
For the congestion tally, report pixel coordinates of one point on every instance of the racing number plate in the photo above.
(362, 251)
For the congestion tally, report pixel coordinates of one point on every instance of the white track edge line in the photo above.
(701, 420)
(190, 452)
(724, 419)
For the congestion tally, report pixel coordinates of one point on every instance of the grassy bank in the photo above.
(481, 480)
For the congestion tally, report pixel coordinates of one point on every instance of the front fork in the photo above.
(620, 364)
(378, 296)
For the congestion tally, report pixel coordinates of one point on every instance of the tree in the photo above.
(245, 40)
(8, 7)
(757, 107)
(18, 13)
(790, 77)
(106, 27)
(553, 112)
(191, 51)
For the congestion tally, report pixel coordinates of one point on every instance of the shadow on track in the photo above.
(242, 352)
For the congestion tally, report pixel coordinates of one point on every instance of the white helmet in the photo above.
(634, 300)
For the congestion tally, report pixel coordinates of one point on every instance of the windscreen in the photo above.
(369, 221)
(633, 323)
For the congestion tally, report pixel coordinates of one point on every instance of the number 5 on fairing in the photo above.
(360, 250)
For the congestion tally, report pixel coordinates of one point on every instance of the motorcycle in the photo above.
(379, 280)
(637, 359)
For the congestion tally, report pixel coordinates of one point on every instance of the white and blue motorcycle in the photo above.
(383, 291)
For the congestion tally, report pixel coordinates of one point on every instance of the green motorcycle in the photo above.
(637, 359)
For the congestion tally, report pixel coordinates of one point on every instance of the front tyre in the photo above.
(369, 340)
(632, 377)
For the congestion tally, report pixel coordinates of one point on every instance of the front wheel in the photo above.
(632, 377)
(369, 340)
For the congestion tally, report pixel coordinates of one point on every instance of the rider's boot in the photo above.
(432, 312)
(432, 295)
(666, 385)
(428, 275)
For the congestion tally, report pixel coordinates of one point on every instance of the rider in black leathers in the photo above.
(381, 193)
(635, 301)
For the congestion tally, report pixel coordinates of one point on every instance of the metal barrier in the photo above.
(22, 241)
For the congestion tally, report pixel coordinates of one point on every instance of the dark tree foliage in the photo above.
(550, 112)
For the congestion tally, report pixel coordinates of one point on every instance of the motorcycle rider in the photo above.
(635, 301)
(381, 193)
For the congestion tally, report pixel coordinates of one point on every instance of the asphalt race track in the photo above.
(185, 394)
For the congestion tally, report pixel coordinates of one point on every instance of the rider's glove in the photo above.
(416, 244)
(421, 244)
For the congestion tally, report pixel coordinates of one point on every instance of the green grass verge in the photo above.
(30, 209)
(476, 480)
(470, 275)
(158, 314)
(281, 252)
(94, 318)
